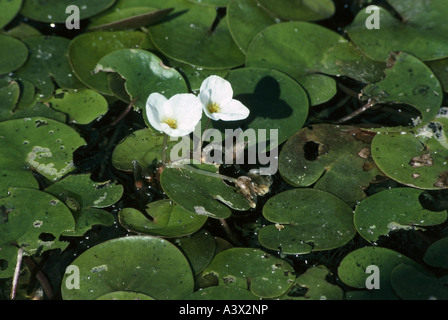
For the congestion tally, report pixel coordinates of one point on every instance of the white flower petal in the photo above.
(232, 111)
(215, 89)
(154, 105)
(186, 111)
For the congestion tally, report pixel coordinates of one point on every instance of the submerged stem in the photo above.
(357, 112)
(164, 147)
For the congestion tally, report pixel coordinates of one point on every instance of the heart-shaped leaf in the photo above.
(140, 264)
(265, 275)
(10, 62)
(334, 158)
(393, 209)
(306, 220)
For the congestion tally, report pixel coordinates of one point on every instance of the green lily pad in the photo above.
(13, 54)
(47, 62)
(435, 255)
(81, 106)
(275, 101)
(124, 295)
(144, 72)
(303, 10)
(300, 57)
(419, 32)
(8, 9)
(87, 49)
(128, 18)
(412, 284)
(393, 209)
(316, 285)
(166, 220)
(55, 10)
(352, 270)
(306, 220)
(222, 293)
(241, 11)
(42, 144)
(412, 159)
(199, 248)
(34, 220)
(189, 26)
(85, 198)
(408, 81)
(143, 146)
(140, 264)
(334, 158)
(265, 275)
(197, 191)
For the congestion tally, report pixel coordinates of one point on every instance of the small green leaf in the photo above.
(13, 54)
(435, 254)
(166, 219)
(81, 106)
(8, 10)
(265, 275)
(393, 209)
(306, 220)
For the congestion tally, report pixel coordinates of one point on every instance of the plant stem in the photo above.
(164, 147)
(15, 279)
(357, 112)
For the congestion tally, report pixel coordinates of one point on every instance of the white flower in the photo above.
(216, 95)
(177, 116)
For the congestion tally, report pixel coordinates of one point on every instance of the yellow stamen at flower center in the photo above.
(213, 107)
(171, 122)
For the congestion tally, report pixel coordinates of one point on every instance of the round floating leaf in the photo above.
(334, 158)
(199, 248)
(276, 102)
(304, 10)
(420, 31)
(316, 285)
(41, 144)
(167, 220)
(190, 26)
(144, 72)
(140, 264)
(300, 57)
(81, 106)
(393, 209)
(13, 53)
(124, 295)
(352, 269)
(34, 220)
(412, 284)
(265, 275)
(8, 10)
(306, 220)
(241, 11)
(408, 81)
(129, 18)
(55, 10)
(197, 191)
(47, 62)
(142, 146)
(222, 293)
(87, 49)
(436, 255)
(407, 159)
